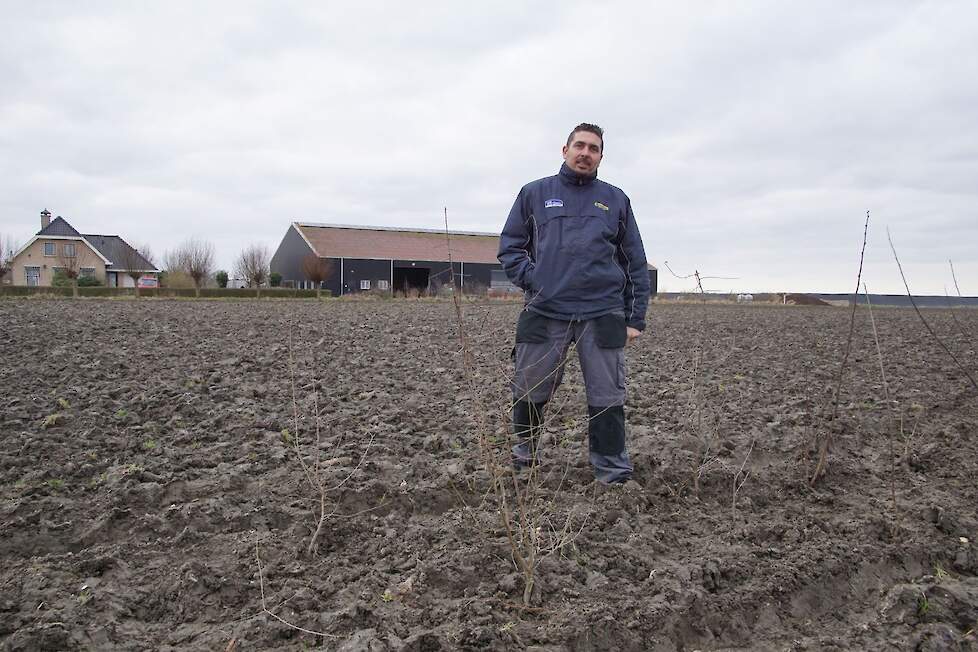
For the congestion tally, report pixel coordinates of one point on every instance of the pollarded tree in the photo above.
(318, 270)
(195, 258)
(252, 265)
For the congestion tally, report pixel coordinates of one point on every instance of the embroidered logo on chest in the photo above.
(553, 203)
(600, 205)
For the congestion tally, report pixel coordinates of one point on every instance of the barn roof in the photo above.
(383, 243)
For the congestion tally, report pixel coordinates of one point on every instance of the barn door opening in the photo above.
(411, 279)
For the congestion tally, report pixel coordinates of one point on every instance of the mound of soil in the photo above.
(153, 498)
(804, 300)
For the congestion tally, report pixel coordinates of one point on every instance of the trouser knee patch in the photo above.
(606, 429)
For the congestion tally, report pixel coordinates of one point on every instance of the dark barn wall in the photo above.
(358, 269)
(479, 275)
(333, 282)
(653, 281)
(287, 259)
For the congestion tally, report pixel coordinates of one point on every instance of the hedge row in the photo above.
(208, 293)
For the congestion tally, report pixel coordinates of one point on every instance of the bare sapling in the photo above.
(888, 419)
(315, 459)
(534, 522)
(826, 436)
(315, 463)
(703, 420)
(966, 334)
(930, 330)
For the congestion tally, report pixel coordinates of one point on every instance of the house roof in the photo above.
(113, 250)
(120, 253)
(383, 243)
(59, 227)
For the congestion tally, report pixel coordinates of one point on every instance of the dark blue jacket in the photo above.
(572, 244)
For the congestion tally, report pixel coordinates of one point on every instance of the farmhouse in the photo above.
(58, 246)
(349, 259)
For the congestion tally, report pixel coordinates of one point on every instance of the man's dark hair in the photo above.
(587, 126)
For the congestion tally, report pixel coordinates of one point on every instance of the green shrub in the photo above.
(33, 290)
(228, 292)
(101, 291)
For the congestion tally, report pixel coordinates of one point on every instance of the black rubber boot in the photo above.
(527, 420)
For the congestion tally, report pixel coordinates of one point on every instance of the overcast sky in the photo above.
(752, 137)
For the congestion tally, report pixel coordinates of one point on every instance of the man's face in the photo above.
(584, 152)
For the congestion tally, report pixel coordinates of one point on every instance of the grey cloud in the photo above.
(750, 137)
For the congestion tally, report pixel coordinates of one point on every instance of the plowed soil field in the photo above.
(153, 497)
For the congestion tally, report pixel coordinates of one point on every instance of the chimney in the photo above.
(45, 219)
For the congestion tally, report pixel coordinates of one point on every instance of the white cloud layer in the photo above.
(752, 137)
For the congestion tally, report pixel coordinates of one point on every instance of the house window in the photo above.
(365, 284)
(383, 285)
(49, 249)
(69, 249)
(86, 272)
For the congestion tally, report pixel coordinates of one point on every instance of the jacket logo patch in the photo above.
(554, 203)
(600, 205)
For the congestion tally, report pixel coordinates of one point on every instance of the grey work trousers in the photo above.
(542, 346)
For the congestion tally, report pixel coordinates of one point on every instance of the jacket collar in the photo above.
(572, 178)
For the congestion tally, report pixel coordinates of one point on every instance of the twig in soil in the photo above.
(889, 406)
(927, 325)
(264, 604)
(740, 479)
(827, 436)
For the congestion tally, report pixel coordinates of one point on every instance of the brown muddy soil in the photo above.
(146, 452)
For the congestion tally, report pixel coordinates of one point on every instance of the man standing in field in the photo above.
(572, 244)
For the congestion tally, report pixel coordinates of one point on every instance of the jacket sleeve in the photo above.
(631, 257)
(516, 243)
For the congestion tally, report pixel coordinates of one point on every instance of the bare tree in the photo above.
(318, 270)
(68, 263)
(134, 262)
(195, 258)
(147, 253)
(252, 265)
(7, 247)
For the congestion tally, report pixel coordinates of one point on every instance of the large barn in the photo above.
(362, 258)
